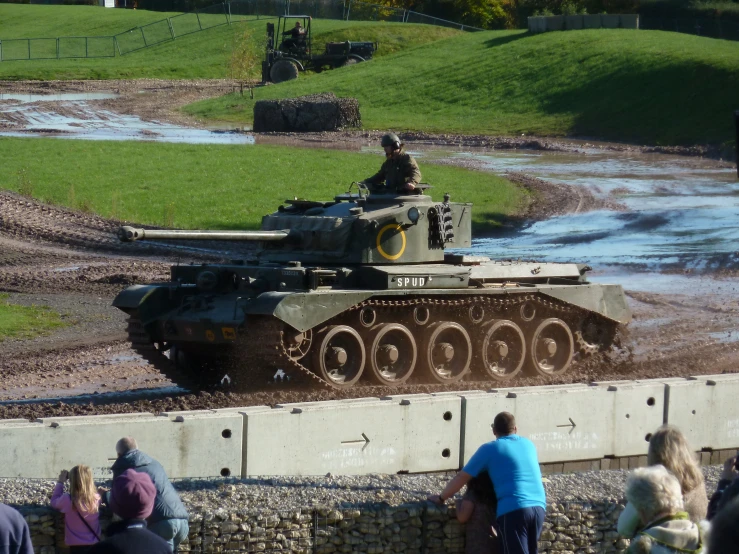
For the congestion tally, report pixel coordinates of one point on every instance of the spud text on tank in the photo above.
(363, 288)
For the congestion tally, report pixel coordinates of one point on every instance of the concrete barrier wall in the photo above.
(414, 433)
(411, 433)
(541, 24)
(706, 409)
(187, 445)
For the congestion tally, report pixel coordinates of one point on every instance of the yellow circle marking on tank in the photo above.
(388, 227)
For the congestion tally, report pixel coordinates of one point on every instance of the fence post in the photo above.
(229, 12)
(1, 50)
(57, 48)
(198, 16)
(117, 46)
(86, 50)
(171, 28)
(348, 10)
(28, 41)
(143, 36)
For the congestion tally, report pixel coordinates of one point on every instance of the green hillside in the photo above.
(199, 55)
(638, 86)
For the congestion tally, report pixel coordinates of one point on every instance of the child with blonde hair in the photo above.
(80, 508)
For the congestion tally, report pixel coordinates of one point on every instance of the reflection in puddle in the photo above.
(684, 212)
(79, 120)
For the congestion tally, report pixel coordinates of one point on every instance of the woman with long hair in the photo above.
(669, 447)
(80, 508)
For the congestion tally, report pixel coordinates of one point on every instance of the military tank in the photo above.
(366, 287)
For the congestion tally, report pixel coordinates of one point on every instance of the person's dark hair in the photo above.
(724, 535)
(482, 487)
(504, 423)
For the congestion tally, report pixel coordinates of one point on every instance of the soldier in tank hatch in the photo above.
(399, 173)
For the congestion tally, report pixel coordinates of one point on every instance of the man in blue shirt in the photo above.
(513, 466)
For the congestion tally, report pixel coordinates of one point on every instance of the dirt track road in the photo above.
(74, 263)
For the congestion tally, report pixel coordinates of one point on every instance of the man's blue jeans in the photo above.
(174, 531)
(520, 530)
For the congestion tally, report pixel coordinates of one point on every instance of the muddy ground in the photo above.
(73, 263)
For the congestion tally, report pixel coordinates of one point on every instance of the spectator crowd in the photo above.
(503, 507)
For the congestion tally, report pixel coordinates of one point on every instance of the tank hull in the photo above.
(442, 322)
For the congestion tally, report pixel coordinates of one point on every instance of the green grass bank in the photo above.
(203, 54)
(647, 87)
(26, 322)
(217, 186)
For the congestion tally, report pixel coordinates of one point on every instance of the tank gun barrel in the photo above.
(131, 234)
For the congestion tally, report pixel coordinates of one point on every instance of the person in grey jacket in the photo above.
(169, 518)
(15, 538)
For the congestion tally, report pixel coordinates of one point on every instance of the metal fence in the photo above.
(714, 28)
(226, 13)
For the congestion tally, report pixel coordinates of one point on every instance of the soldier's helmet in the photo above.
(390, 139)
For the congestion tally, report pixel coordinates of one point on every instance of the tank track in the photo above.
(262, 350)
(142, 344)
(273, 351)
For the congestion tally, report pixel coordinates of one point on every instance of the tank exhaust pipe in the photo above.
(131, 234)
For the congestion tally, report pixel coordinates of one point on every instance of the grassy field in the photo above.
(638, 86)
(25, 321)
(199, 55)
(216, 187)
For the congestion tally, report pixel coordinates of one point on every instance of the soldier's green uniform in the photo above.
(397, 171)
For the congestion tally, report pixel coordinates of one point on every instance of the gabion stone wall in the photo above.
(314, 113)
(415, 528)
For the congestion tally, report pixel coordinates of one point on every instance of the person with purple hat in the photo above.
(132, 499)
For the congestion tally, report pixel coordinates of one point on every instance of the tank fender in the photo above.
(304, 311)
(147, 302)
(130, 298)
(607, 300)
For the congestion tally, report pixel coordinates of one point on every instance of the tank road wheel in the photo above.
(447, 351)
(393, 354)
(340, 356)
(503, 350)
(283, 70)
(551, 348)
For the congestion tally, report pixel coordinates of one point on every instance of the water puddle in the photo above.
(682, 212)
(73, 396)
(57, 97)
(76, 119)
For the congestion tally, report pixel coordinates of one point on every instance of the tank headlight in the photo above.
(207, 280)
(414, 215)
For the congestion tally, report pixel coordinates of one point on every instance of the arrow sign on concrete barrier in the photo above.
(571, 425)
(364, 442)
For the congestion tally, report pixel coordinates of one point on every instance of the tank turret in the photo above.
(364, 287)
(351, 229)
